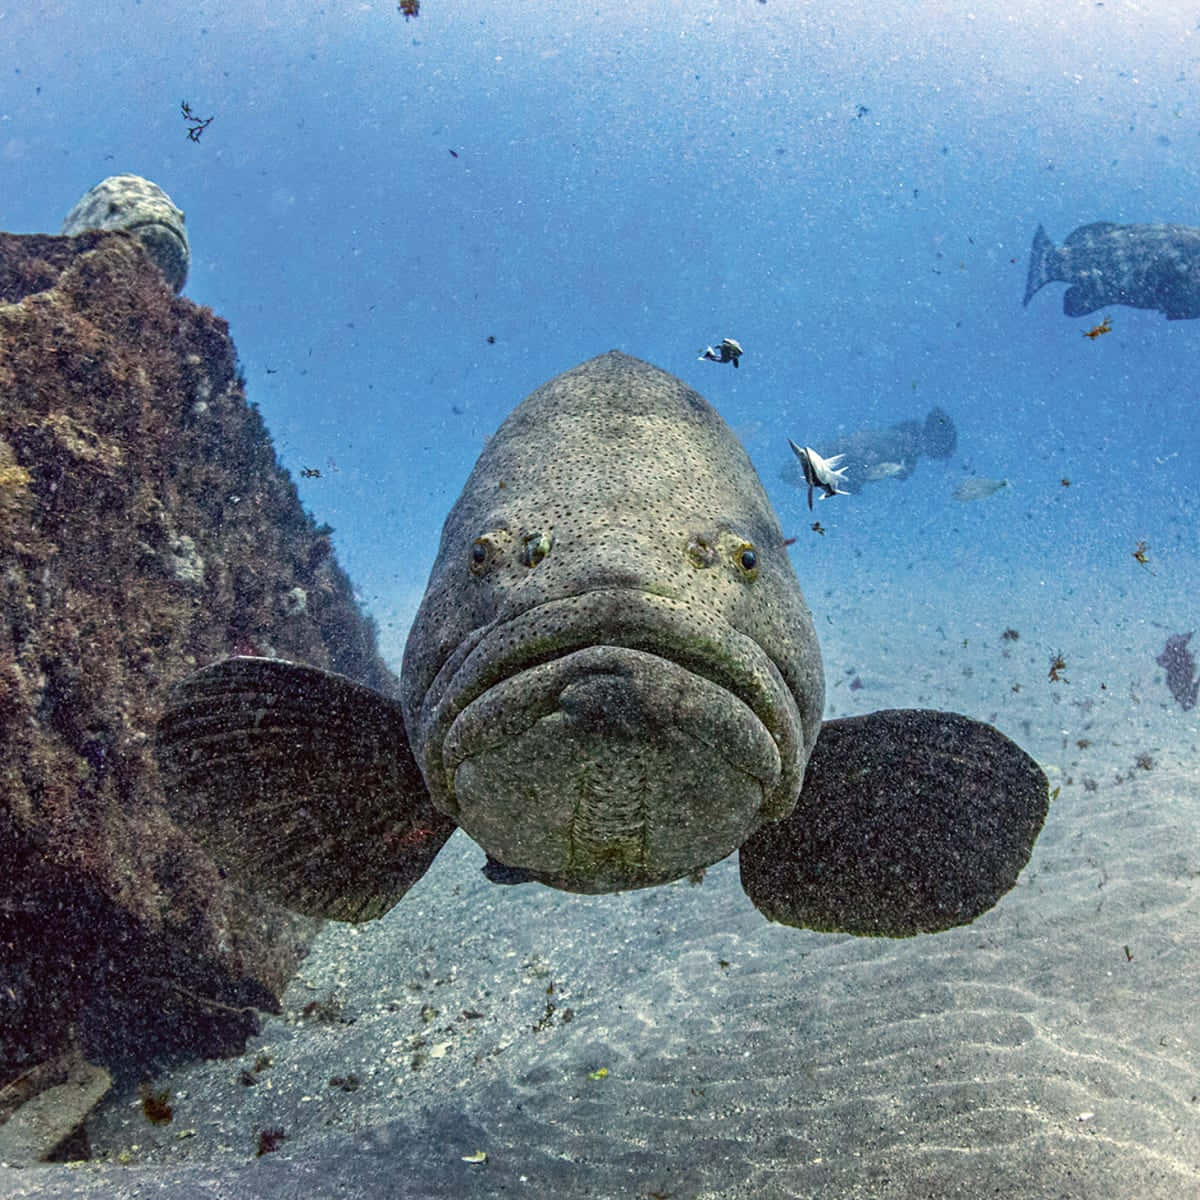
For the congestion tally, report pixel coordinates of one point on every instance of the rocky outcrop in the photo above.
(146, 529)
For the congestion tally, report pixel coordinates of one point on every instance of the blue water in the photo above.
(850, 192)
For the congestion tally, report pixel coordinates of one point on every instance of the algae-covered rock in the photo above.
(146, 529)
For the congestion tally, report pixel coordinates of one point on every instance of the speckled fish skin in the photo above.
(1142, 266)
(142, 208)
(613, 677)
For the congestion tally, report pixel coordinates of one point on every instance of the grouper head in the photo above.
(613, 678)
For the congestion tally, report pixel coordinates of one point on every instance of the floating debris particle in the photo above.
(155, 1105)
(196, 125)
(269, 1140)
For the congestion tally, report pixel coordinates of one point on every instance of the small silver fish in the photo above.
(977, 488)
(823, 473)
(884, 470)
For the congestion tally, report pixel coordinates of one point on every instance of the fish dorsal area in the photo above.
(613, 678)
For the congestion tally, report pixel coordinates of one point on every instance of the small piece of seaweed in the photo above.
(269, 1140)
(1176, 659)
(156, 1106)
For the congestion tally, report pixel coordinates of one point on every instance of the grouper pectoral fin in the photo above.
(301, 784)
(910, 821)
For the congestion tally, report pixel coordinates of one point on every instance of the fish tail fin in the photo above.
(1043, 264)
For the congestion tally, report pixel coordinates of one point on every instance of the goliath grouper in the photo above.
(612, 681)
(1142, 266)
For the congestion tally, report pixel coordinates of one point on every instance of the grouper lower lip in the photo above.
(699, 643)
(627, 694)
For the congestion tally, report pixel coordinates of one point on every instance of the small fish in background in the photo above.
(820, 473)
(727, 351)
(872, 455)
(1096, 331)
(884, 470)
(976, 488)
(140, 207)
(1177, 660)
(1142, 266)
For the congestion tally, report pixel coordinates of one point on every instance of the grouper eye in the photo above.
(487, 551)
(706, 550)
(743, 555)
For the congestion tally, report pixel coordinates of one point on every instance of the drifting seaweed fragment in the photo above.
(269, 1140)
(196, 125)
(156, 1107)
(1180, 666)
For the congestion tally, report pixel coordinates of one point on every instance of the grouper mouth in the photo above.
(611, 739)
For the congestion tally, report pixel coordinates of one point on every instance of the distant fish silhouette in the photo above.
(976, 488)
(1176, 659)
(870, 455)
(1143, 266)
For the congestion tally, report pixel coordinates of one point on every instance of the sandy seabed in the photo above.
(671, 1043)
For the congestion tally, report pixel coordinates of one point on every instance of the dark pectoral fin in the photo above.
(910, 821)
(498, 872)
(301, 784)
